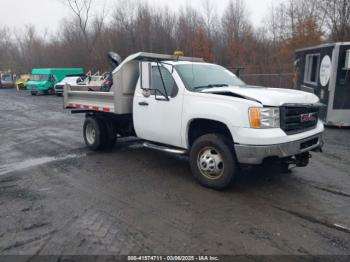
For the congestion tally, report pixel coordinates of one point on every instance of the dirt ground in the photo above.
(56, 197)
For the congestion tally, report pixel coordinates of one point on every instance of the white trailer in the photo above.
(324, 70)
(183, 105)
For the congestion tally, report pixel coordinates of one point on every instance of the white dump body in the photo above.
(88, 100)
(120, 98)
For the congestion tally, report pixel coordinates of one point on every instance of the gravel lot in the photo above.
(56, 197)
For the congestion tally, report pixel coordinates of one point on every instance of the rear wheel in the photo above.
(49, 91)
(94, 133)
(33, 93)
(110, 134)
(213, 161)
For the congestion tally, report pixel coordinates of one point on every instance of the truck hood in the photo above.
(266, 95)
(62, 83)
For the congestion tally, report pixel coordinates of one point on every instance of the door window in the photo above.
(157, 84)
(312, 68)
(53, 78)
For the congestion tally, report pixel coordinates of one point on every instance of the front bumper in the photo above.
(255, 155)
(7, 85)
(58, 90)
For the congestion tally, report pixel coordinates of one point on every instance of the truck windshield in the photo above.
(40, 78)
(197, 77)
(6, 77)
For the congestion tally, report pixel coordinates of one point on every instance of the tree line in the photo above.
(130, 26)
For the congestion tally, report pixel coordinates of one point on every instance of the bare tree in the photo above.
(82, 11)
(188, 21)
(235, 22)
(337, 13)
(230, 39)
(90, 26)
(209, 14)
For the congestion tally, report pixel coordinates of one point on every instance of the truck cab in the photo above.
(186, 106)
(6, 80)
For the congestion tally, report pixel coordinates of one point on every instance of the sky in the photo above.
(47, 15)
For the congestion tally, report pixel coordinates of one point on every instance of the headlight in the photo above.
(264, 117)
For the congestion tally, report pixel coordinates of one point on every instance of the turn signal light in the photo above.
(264, 117)
(254, 117)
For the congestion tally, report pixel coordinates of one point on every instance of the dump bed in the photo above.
(119, 99)
(88, 100)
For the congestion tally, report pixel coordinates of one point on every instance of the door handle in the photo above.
(143, 103)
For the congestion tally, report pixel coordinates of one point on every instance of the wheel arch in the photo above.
(201, 126)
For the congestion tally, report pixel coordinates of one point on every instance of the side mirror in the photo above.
(145, 75)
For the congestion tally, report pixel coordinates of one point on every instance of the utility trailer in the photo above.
(324, 70)
(183, 105)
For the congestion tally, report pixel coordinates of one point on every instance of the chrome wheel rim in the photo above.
(90, 134)
(210, 163)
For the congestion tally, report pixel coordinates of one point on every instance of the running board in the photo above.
(171, 150)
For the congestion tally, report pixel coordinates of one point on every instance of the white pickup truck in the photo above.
(183, 105)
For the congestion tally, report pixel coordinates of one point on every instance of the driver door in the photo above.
(157, 111)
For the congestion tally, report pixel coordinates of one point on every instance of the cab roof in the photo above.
(153, 57)
(322, 46)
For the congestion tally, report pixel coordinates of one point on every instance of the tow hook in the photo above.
(302, 160)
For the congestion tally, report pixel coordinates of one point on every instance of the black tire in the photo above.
(59, 94)
(94, 133)
(49, 92)
(110, 138)
(285, 168)
(33, 93)
(221, 152)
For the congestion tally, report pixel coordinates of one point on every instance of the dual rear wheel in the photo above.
(99, 133)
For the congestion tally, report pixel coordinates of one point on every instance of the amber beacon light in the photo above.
(178, 53)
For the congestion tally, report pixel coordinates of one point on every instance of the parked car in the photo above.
(44, 79)
(7, 80)
(72, 80)
(186, 106)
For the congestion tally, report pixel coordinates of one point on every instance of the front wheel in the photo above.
(213, 161)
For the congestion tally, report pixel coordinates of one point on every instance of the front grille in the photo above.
(59, 87)
(297, 119)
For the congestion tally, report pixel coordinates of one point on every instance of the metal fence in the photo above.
(284, 80)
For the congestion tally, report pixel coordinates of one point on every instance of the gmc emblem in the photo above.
(307, 117)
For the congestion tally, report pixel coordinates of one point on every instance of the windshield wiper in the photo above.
(210, 86)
